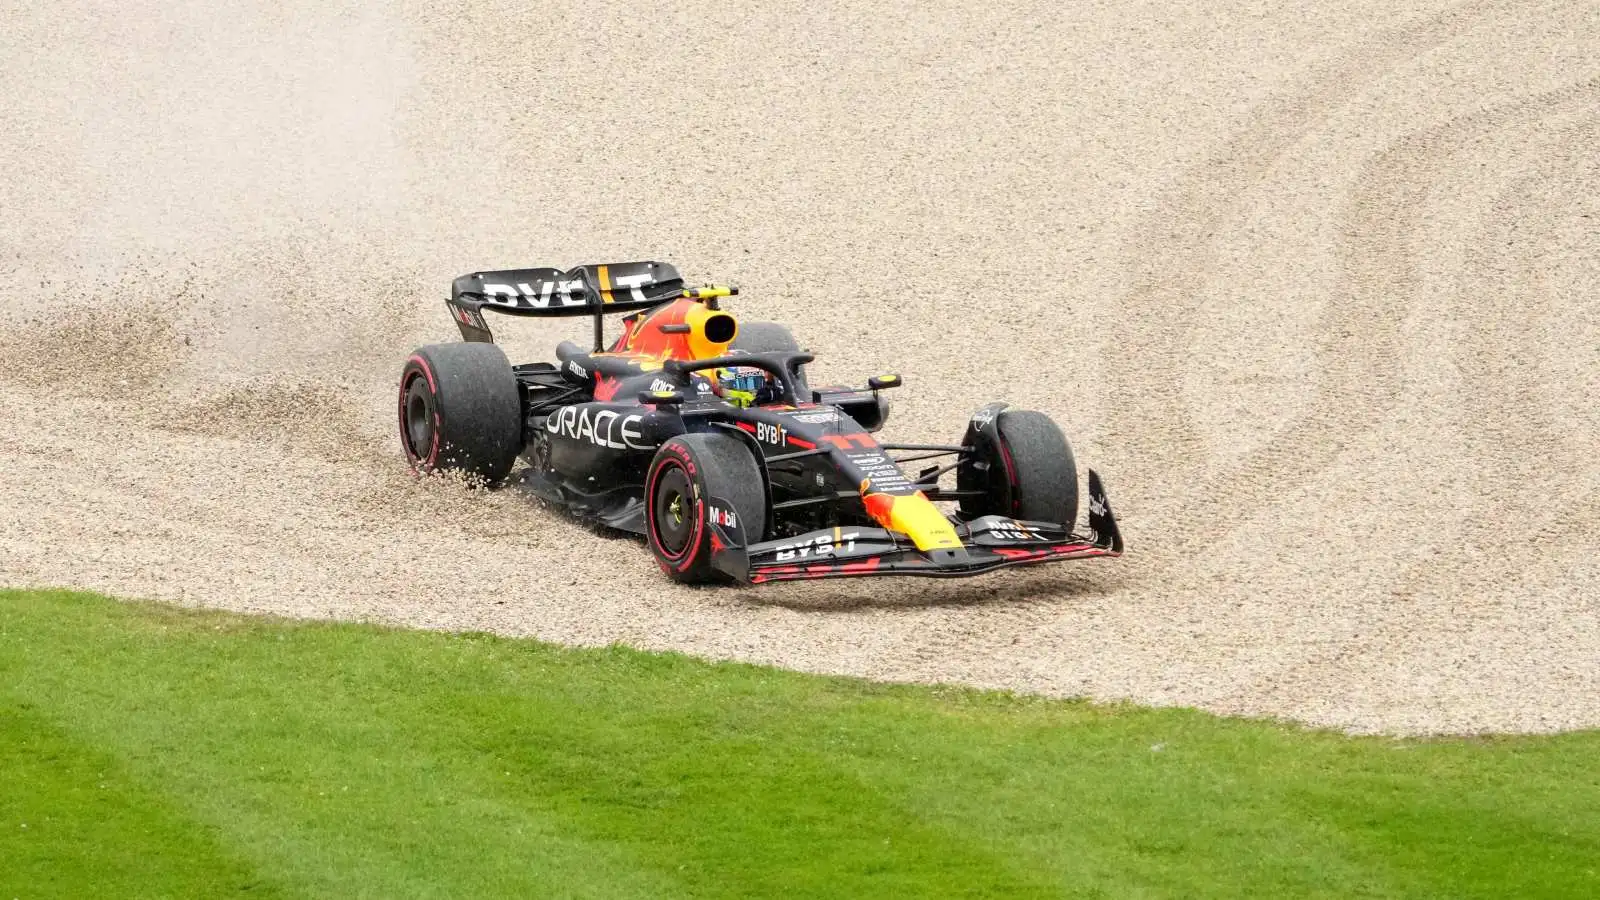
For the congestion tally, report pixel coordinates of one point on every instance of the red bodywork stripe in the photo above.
(858, 441)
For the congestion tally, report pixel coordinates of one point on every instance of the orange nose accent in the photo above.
(879, 506)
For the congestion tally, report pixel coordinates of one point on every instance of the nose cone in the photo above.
(916, 517)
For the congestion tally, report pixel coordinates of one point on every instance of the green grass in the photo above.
(152, 751)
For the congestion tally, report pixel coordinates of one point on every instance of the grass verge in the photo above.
(152, 751)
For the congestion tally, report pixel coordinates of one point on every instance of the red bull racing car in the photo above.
(703, 435)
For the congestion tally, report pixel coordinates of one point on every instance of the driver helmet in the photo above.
(744, 386)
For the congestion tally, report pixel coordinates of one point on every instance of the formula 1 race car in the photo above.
(703, 435)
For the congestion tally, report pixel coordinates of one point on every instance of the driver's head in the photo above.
(744, 385)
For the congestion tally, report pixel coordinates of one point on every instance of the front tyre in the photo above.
(1022, 467)
(461, 411)
(686, 472)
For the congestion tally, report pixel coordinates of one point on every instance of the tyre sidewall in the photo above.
(681, 566)
(417, 374)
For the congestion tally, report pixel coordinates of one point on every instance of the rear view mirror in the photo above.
(882, 382)
(661, 398)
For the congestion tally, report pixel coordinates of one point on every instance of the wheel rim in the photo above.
(674, 511)
(419, 420)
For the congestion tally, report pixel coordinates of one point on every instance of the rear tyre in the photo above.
(762, 337)
(686, 472)
(1026, 472)
(461, 411)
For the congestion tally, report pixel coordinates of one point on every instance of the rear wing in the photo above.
(583, 291)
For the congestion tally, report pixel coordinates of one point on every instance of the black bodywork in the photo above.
(591, 458)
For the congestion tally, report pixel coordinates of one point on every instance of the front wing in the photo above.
(989, 543)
